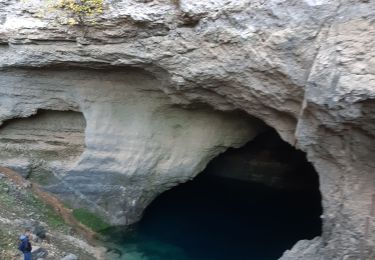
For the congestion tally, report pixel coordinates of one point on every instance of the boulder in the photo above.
(39, 252)
(70, 257)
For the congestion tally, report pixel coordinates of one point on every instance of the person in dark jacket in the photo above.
(25, 245)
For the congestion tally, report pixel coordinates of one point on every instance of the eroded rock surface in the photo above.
(306, 68)
(136, 142)
(28, 144)
(267, 160)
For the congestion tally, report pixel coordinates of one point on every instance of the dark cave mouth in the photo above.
(253, 202)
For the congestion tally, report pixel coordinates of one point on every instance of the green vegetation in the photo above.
(42, 176)
(25, 203)
(73, 12)
(67, 205)
(5, 199)
(90, 219)
(7, 243)
(50, 216)
(80, 12)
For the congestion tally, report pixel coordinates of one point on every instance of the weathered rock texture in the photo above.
(47, 137)
(137, 142)
(306, 68)
(267, 160)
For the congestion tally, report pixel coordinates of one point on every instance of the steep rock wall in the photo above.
(137, 142)
(303, 67)
(32, 145)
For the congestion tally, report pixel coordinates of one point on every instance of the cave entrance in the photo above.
(254, 202)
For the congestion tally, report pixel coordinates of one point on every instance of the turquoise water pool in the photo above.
(220, 219)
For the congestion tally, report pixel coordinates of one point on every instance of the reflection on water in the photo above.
(220, 219)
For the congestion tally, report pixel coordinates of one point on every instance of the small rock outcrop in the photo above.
(160, 85)
(39, 253)
(70, 257)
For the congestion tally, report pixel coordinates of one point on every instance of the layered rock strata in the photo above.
(303, 67)
(135, 144)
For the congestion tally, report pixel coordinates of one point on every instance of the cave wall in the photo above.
(303, 67)
(267, 160)
(33, 145)
(137, 143)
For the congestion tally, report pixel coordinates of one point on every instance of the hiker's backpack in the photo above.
(28, 247)
(25, 247)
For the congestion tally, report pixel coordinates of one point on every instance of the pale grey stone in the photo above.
(306, 68)
(70, 257)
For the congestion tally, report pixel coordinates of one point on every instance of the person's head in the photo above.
(27, 232)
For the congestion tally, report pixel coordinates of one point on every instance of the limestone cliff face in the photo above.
(129, 143)
(29, 144)
(306, 68)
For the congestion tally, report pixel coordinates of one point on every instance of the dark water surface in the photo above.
(221, 219)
